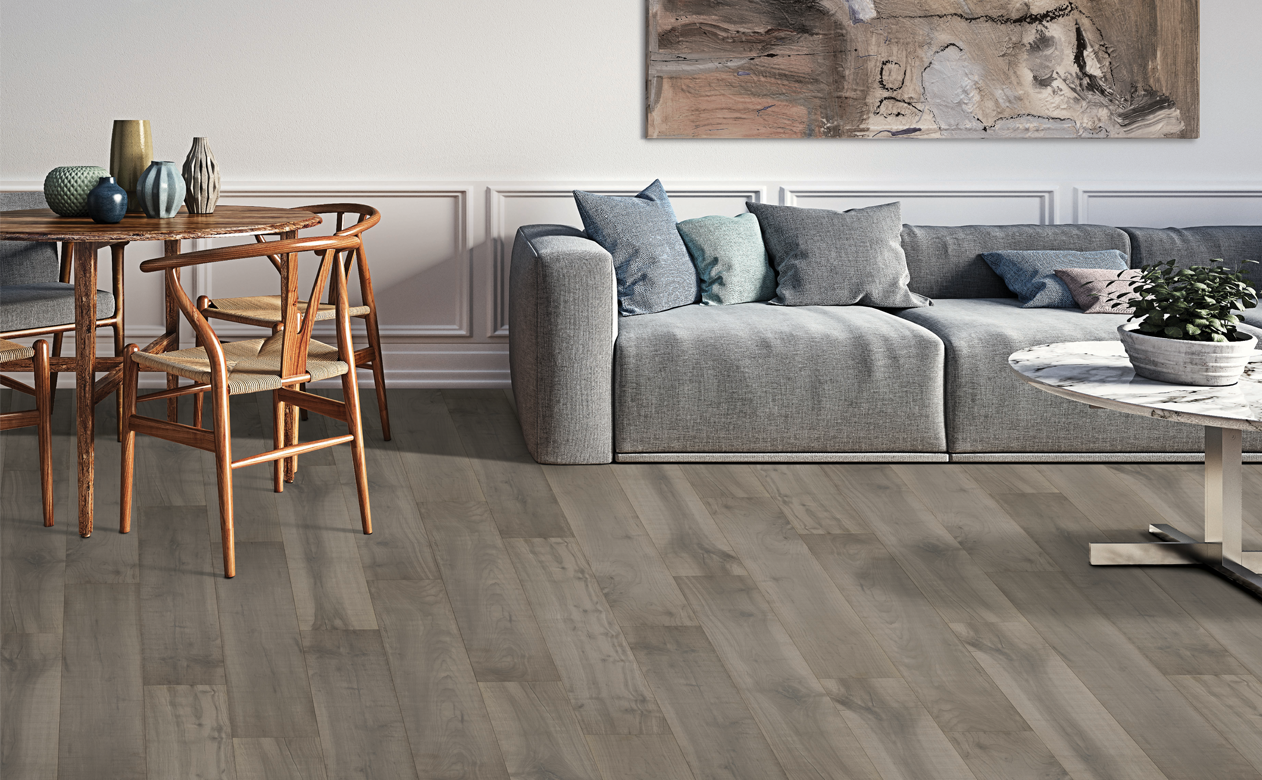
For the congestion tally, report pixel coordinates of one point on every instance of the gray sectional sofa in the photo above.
(757, 382)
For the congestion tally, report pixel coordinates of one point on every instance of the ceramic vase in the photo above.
(107, 202)
(201, 176)
(161, 190)
(1182, 362)
(66, 189)
(131, 151)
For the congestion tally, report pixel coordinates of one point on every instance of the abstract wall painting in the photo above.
(923, 69)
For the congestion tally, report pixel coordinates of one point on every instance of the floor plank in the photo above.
(715, 730)
(430, 450)
(447, 724)
(1154, 622)
(896, 731)
(268, 691)
(604, 684)
(1007, 755)
(951, 580)
(1160, 720)
(514, 486)
(675, 519)
(930, 657)
(538, 732)
(971, 516)
(187, 732)
(823, 625)
(1233, 704)
(30, 698)
(807, 733)
(498, 628)
(1009, 477)
(33, 576)
(724, 480)
(1080, 732)
(806, 495)
(178, 581)
(102, 732)
(330, 591)
(279, 759)
(361, 727)
(636, 583)
(638, 757)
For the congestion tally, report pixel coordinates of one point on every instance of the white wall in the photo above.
(466, 118)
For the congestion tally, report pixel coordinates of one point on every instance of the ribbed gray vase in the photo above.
(201, 176)
(161, 190)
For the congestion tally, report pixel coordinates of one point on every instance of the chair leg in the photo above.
(278, 441)
(197, 409)
(291, 438)
(350, 392)
(378, 372)
(118, 351)
(43, 403)
(223, 475)
(131, 374)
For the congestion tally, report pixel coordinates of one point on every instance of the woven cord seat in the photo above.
(253, 365)
(12, 351)
(264, 311)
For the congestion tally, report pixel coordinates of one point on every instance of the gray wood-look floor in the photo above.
(624, 622)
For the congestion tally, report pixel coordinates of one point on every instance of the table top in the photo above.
(1099, 373)
(45, 225)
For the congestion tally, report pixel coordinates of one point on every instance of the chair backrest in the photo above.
(296, 337)
(367, 217)
(26, 262)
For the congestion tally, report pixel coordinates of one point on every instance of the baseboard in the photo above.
(780, 457)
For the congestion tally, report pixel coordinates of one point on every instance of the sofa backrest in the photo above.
(945, 262)
(1196, 245)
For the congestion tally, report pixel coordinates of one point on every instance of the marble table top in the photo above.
(1098, 373)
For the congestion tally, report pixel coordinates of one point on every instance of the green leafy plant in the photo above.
(1194, 304)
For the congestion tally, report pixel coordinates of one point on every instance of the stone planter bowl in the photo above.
(1200, 363)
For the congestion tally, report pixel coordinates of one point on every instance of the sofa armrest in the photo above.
(562, 325)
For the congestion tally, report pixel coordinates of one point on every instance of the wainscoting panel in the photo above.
(508, 207)
(932, 205)
(1148, 206)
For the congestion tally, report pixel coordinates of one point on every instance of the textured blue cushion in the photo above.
(730, 258)
(650, 260)
(1032, 274)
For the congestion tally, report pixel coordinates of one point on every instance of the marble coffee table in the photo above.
(1098, 373)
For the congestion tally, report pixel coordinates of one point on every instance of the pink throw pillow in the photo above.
(1085, 284)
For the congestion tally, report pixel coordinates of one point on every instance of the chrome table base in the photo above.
(1221, 551)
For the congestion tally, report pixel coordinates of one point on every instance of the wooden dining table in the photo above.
(84, 238)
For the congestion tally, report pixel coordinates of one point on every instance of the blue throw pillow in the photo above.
(650, 260)
(730, 257)
(1032, 274)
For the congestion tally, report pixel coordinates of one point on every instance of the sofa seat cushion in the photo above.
(990, 409)
(762, 378)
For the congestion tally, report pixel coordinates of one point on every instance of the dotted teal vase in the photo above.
(161, 189)
(66, 189)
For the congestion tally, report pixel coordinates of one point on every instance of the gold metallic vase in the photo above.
(131, 152)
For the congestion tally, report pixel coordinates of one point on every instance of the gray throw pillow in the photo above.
(832, 258)
(1032, 276)
(730, 258)
(650, 260)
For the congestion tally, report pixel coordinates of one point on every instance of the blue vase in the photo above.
(107, 202)
(161, 189)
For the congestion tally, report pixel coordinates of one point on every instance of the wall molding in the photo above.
(1085, 194)
(498, 195)
(1045, 194)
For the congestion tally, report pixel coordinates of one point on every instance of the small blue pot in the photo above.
(161, 189)
(107, 202)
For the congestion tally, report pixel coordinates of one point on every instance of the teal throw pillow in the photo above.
(730, 258)
(1032, 274)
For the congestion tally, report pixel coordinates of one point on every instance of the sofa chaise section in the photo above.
(761, 382)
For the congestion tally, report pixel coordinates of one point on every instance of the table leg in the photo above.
(1221, 550)
(84, 255)
(173, 329)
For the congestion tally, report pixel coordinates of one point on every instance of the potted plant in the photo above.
(1187, 323)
